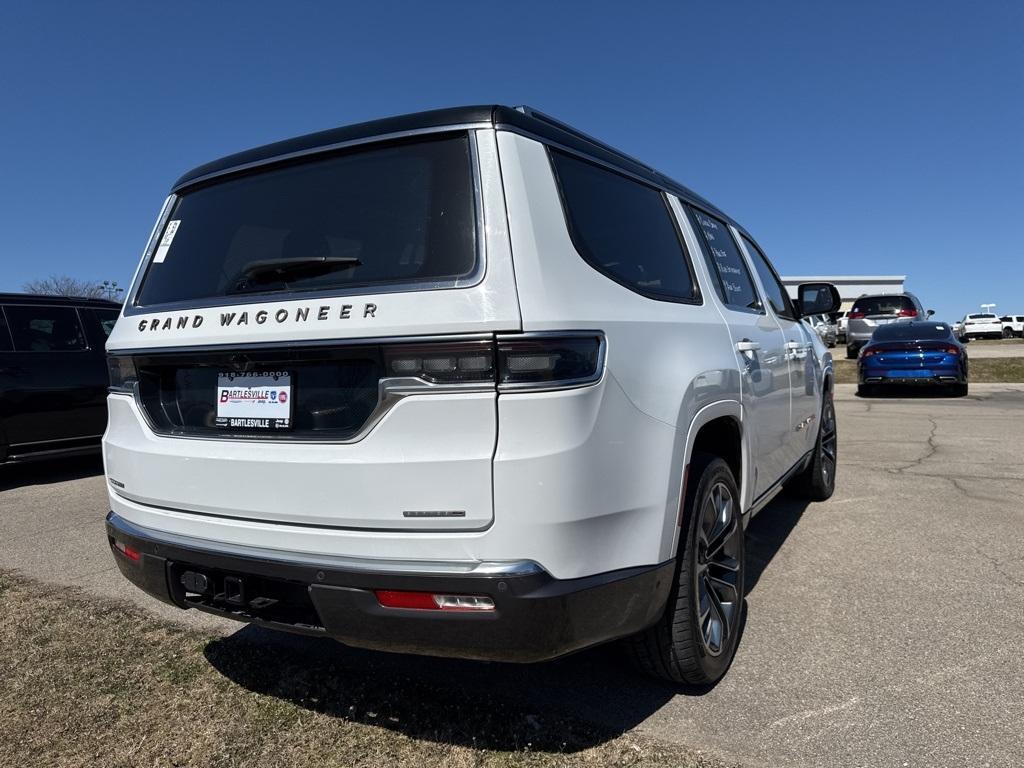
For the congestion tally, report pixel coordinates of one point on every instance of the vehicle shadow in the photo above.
(50, 471)
(562, 706)
(767, 533)
(566, 705)
(894, 392)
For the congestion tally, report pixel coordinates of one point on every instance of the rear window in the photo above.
(624, 229)
(982, 317)
(912, 332)
(883, 305)
(396, 214)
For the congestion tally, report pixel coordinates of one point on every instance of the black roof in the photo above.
(524, 119)
(77, 301)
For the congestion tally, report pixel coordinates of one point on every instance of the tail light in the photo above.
(513, 362)
(446, 363)
(869, 352)
(907, 313)
(121, 370)
(540, 362)
(855, 316)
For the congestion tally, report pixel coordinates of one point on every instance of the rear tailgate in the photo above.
(287, 405)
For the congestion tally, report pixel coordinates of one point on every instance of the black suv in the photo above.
(53, 375)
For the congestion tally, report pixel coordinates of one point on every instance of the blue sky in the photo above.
(867, 138)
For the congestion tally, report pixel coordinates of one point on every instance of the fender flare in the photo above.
(722, 408)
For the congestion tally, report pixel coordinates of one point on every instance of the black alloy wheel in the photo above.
(696, 637)
(719, 550)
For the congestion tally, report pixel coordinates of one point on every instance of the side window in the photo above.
(777, 295)
(45, 329)
(5, 334)
(624, 229)
(727, 267)
(106, 319)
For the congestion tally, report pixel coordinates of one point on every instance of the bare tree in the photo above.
(63, 285)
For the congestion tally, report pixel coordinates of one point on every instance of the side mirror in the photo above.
(817, 299)
(929, 313)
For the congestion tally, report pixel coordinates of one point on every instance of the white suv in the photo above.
(465, 383)
(1013, 326)
(982, 325)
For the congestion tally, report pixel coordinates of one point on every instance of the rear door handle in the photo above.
(747, 346)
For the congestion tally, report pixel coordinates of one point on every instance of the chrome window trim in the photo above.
(359, 564)
(473, 279)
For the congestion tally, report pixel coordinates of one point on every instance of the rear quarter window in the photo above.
(5, 335)
(45, 329)
(624, 230)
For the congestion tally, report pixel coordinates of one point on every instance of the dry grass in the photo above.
(983, 370)
(88, 682)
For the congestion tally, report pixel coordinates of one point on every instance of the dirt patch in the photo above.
(99, 683)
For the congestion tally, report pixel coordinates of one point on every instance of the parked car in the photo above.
(827, 330)
(338, 409)
(53, 375)
(870, 312)
(914, 352)
(841, 322)
(982, 325)
(1013, 326)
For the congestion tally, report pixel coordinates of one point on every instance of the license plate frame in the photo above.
(254, 401)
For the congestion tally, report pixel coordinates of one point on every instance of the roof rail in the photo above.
(554, 121)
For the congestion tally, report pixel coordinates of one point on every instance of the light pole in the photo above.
(987, 308)
(111, 290)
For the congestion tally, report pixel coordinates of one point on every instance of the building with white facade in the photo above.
(851, 286)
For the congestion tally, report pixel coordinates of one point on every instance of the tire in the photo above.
(694, 641)
(867, 390)
(851, 352)
(959, 390)
(818, 481)
(1008, 332)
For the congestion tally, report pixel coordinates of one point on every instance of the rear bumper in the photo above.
(934, 376)
(536, 617)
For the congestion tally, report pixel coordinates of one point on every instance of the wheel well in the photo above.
(721, 437)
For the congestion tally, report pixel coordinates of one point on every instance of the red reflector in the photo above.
(869, 352)
(427, 601)
(129, 552)
(423, 601)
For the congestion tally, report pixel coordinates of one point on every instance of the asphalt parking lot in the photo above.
(883, 628)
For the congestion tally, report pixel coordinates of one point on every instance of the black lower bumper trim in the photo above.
(536, 617)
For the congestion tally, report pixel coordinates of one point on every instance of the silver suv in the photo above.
(869, 312)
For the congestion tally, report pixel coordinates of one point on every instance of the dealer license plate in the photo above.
(254, 400)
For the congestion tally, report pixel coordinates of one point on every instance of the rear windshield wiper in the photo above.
(280, 270)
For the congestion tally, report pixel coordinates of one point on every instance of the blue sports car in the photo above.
(913, 352)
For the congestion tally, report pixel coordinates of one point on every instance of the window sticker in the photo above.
(166, 240)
